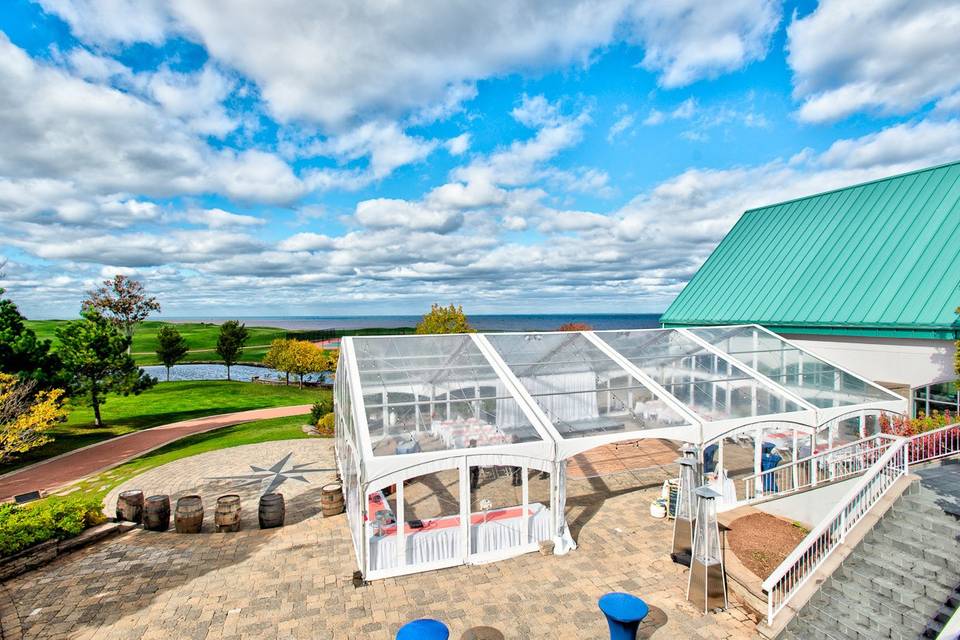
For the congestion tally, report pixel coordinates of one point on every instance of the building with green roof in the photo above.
(867, 276)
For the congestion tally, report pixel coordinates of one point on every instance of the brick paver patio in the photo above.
(295, 582)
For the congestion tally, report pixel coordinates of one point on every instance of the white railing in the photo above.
(794, 572)
(835, 464)
(931, 445)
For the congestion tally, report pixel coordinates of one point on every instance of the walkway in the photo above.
(70, 467)
(295, 582)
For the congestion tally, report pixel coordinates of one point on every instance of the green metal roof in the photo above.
(875, 259)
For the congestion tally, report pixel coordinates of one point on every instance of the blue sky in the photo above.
(368, 158)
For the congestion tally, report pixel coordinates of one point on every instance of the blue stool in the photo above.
(423, 629)
(624, 613)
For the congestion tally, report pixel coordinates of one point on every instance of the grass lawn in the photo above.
(200, 336)
(166, 402)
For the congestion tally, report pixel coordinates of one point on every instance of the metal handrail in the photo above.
(794, 572)
(938, 443)
(840, 462)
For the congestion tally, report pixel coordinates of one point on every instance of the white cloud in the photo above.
(220, 219)
(622, 124)
(654, 118)
(93, 140)
(688, 40)
(458, 145)
(381, 213)
(306, 242)
(337, 63)
(194, 97)
(385, 146)
(573, 221)
(112, 21)
(888, 56)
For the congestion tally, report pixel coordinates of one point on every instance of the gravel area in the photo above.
(762, 541)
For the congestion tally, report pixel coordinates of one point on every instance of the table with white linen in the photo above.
(439, 539)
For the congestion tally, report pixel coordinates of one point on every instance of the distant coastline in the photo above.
(482, 322)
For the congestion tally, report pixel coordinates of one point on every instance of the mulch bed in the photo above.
(762, 541)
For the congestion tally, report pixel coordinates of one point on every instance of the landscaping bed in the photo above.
(762, 541)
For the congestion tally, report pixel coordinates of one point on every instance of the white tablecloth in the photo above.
(725, 487)
(444, 544)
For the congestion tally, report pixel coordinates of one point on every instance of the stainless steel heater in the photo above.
(686, 514)
(707, 585)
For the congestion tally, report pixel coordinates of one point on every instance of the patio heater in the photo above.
(685, 516)
(707, 585)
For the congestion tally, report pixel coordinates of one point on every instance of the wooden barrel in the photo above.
(156, 513)
(227, 515)
(188, 517)
(331, 499)
(272, 510)
(130, 506)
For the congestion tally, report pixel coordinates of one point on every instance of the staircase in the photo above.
(902, 580)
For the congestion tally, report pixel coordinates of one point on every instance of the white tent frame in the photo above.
(364, 472)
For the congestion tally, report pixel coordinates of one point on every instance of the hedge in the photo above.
(22, 526)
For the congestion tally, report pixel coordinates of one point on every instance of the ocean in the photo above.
(481, 322)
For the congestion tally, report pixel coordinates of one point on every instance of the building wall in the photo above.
(809, 508)
(890, 360)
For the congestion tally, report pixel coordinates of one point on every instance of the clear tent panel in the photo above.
(711, 386)
(433, 393)
(582, 390)
(818, 382)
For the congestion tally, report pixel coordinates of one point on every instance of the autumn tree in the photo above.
(442, 319)
(575, 326)
(94, 354)
(21, 353)
(171, 347)
(26, 415)
(123, 302)
(278, 358)
(233, 335)
(306, 357)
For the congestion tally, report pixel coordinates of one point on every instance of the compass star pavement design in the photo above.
(277, 474)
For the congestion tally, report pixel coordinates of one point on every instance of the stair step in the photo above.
(929, 553)
(924, 522)
(914, 593)
(902, 530)
(851, 623)
(887, 562)
(897, 614)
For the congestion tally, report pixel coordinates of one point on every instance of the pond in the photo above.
(241, 372)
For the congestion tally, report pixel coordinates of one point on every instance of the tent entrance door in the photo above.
(498, 511)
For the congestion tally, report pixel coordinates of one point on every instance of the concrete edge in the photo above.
(836, 559)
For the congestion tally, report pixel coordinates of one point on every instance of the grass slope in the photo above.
(167, 402)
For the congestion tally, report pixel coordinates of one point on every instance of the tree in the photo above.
(306, 357)
(575, 326)
(122, 301)
(21, 353)
(233, 335)
(26, 415)
(278, 356)
(171, 347)
(444, 320)
(94, 354)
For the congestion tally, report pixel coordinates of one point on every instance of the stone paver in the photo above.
(295, 582)
(56, 472)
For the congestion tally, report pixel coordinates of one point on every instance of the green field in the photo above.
(200, 336)
(166, 402)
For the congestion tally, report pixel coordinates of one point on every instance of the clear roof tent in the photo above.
(459, 416)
